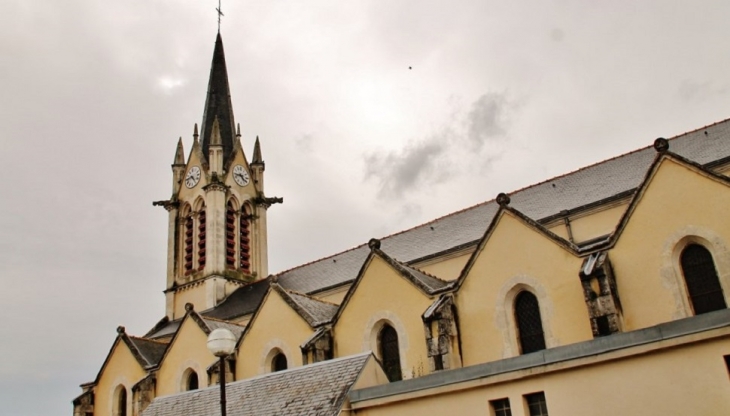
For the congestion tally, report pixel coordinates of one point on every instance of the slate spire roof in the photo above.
(218, 103)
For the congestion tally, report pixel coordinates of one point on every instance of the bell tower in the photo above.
(217, 237)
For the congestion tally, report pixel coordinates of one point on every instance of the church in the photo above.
(601, 291)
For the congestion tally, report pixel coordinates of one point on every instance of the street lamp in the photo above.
(221, 343)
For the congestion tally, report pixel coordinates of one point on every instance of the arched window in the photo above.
(201, 238)
(529, 323)
(278, 363)
(390, 352)
(230, 236)
(244, 230)
(192, 381)
(120, 402)
(703, 285)
(188, 240)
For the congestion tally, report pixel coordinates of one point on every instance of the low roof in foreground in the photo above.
(317, 389)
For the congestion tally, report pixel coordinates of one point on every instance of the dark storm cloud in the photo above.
(400, 171)
(487, 119)
(435, 158)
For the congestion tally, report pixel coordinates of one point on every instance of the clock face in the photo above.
(193, 176)
(240, 175)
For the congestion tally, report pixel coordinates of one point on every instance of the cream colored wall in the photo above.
(384, 295)
(678, 206)
(195, 294)
(690, 380)
(189, 350)
(447, 268)
(517, 257)
(597, 223)
(122, 368)
(334, 296)
(275, 326)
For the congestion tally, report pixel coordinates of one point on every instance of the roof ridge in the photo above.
(148, 339)
(309, 297)
(320, 259)
(207, 318)
(421, 271)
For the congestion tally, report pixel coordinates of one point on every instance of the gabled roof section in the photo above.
(218, 103)
(207, 325)
(662, 147)
(317, 389)
(149, 350)
(243, 301)
(146, 352)
(425, 283)
(504, 208)
(315, 311)
(574, 191)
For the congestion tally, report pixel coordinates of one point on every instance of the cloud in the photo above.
(487, 119)
(400, 171)
(454, 145)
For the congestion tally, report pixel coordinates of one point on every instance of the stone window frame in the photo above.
(273, 348)
(505, 316)
(183, 371)
(672, 275)
(116, 400)
(185, 380)
(372, 332)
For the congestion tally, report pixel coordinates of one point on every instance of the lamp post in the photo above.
(221, 343)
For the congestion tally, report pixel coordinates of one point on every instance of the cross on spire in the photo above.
(220, 13)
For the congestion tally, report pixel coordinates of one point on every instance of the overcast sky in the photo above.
(374, 116)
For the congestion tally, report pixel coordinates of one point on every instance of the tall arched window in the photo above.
(188, 240)
(192, 381)
(230, 236)
(390, 353)
(244, 230)
(120, 402)
(703, 285)
(278, 363)
(529, 323)
(201, 238)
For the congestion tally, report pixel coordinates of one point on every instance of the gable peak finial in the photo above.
(238, 130)
(374, 244)
(121, 330)
(661, 145)
(195, 132)
(503, 199)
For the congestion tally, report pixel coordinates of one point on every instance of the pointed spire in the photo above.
(257, 152)
(179, 154)
(218, 103)
(215, 133)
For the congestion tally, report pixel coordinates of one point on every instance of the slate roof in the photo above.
(316, 312)
(317, 389)
(214, 324)
(151, 351)
(571, 191)
(242, 301)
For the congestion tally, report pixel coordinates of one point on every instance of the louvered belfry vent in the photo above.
(529, 323)
(230, 236)
(188, 251)
(244, 227)
(700, 275)
(201, 239)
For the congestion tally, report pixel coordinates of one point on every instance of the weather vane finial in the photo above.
(220, 13)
